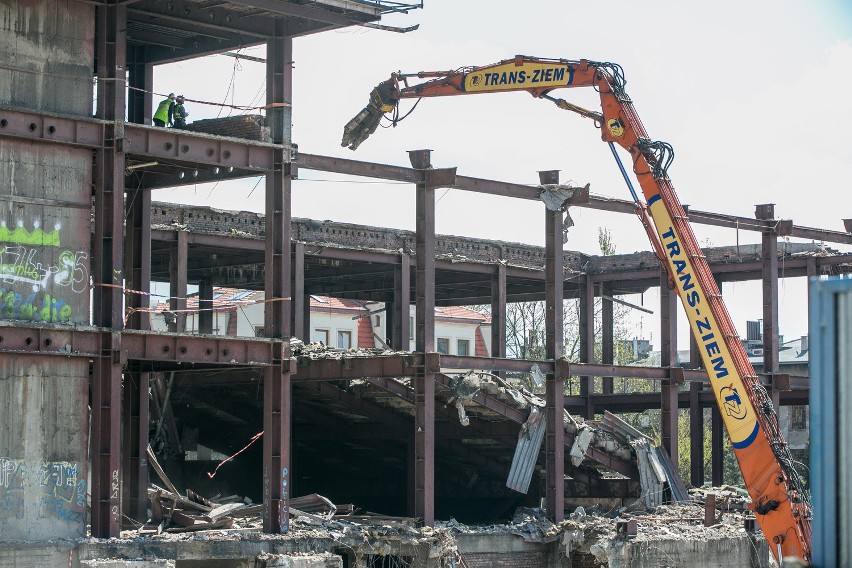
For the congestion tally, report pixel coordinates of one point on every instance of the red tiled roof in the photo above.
(365, 334)
(232, 323)
(327, 303)
(480, 348)
(223, 298)
(450, 313)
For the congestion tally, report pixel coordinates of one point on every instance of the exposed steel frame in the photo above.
(107, 272)
(110, 347)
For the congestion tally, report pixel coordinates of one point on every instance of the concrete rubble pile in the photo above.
(675, 530)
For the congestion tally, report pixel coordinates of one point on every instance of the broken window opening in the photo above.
(344, 339)
(349, 560)
(463, 347)
(320, 335)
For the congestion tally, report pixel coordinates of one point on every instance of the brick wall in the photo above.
(507, 560)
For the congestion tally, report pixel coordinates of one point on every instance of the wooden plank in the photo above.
(155, 465)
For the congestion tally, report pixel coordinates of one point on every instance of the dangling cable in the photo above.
(660, 156)
(619, 81)
(395, 118)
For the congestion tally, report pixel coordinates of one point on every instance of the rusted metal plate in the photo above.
(201, 148)
(49, 341)
(200, 349)
(50, 128)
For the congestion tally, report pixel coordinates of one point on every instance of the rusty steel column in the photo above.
(607, 335)
(306, 316)
(136, 419)
(587, 342)
(498, 312)
(178, 268)
(138, 259)
(141, 81)
(554, 281)
(717, 448)
(205, 306)
(301, 301)
(399, 317)
(424, 383)
(717, 440)
(410, 476)
(696, 436)
(135, 408)
(276, 378)
(771, 345)
(107, 266)
(694, 354)
(668, 358)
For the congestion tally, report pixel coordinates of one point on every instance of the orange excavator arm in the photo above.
(780, 503)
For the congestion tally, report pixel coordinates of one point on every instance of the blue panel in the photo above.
(824, 382)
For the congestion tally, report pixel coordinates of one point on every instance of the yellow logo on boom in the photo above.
(528, 75)
(615, 127)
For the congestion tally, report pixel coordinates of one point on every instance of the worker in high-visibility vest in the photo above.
(163, 114)
(179, 112)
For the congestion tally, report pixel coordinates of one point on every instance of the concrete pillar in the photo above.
(43, 400)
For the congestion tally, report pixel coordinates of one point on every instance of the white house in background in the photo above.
(336, 322)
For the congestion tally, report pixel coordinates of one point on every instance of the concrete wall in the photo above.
(43, 442)
(714, 551)
(483, 550)
(46, 61)
(44, 248)
(47, 55)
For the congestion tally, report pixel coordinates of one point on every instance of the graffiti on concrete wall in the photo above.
(58, 488)
(39, 279)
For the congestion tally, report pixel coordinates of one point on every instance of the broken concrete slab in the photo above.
(301, 560)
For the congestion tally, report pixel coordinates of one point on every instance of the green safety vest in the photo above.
(163, 111)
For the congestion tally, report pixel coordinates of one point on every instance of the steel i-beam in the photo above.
(554, 340)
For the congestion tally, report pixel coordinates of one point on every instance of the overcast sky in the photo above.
(754, 97)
